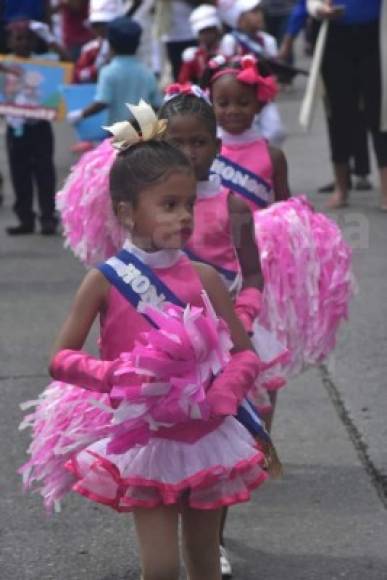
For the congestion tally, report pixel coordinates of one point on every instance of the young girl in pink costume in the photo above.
(246, 164)
(156, 435)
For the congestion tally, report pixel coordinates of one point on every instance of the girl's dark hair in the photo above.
(234, 63)
(142, 165)
(188, 104)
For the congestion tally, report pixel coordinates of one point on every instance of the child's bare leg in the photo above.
(268, 424)
(340, 197)
(223, 525)
(157, 536)
(270, 416)
(201, 543)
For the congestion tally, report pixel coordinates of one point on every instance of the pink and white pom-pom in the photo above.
(64, 421)
(179, 360)
(306, 265)
(90, 226)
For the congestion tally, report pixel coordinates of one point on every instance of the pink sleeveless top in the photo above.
(121, 324)
(251, 152)
(212, 240)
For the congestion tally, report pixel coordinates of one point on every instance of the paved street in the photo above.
(325, 520)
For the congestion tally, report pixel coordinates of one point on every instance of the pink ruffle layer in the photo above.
(220, 469)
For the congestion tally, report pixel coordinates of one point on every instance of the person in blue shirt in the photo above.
(28, 9)
(125, 79)
(351, 70)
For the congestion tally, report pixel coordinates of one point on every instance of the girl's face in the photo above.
(252, 21)
(209, 37)
(162, 217)
(190, 134)
(235, 104)
(99, 29)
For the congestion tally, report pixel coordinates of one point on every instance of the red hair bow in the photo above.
(267, 87)
(177, 89)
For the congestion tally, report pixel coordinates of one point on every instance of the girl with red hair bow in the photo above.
(240, 90)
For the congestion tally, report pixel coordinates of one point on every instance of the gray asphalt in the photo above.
(325, 520)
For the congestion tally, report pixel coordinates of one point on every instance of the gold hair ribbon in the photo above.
(125, 135)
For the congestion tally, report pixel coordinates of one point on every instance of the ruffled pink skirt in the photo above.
(219, 469)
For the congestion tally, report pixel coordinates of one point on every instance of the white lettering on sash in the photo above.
(228, 173)
(129, 273)
(237, 177)
(139, 283)
(151, 297)
(241, 179)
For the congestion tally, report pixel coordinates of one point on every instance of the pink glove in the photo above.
(247, 306)
(232, 385)
(81, 369)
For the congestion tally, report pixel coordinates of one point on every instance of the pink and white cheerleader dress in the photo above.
(211, 461)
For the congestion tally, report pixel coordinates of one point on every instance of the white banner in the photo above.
(312, 88)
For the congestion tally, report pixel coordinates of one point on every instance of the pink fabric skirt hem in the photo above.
(170, 494)
(218, 469)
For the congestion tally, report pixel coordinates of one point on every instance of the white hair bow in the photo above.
(125, 135)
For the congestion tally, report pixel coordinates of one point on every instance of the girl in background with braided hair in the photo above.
(223, 234)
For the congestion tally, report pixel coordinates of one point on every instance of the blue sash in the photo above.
(237, 178)
(137, 282)
(252, 46)
(228, 274)
(248, 44)
(250, 419)
(141, 286)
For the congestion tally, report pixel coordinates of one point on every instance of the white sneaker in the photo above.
(225, 565)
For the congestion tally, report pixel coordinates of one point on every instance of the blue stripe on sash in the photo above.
(228, 274)
(248, 44)
(239, 173)
(249, 417)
